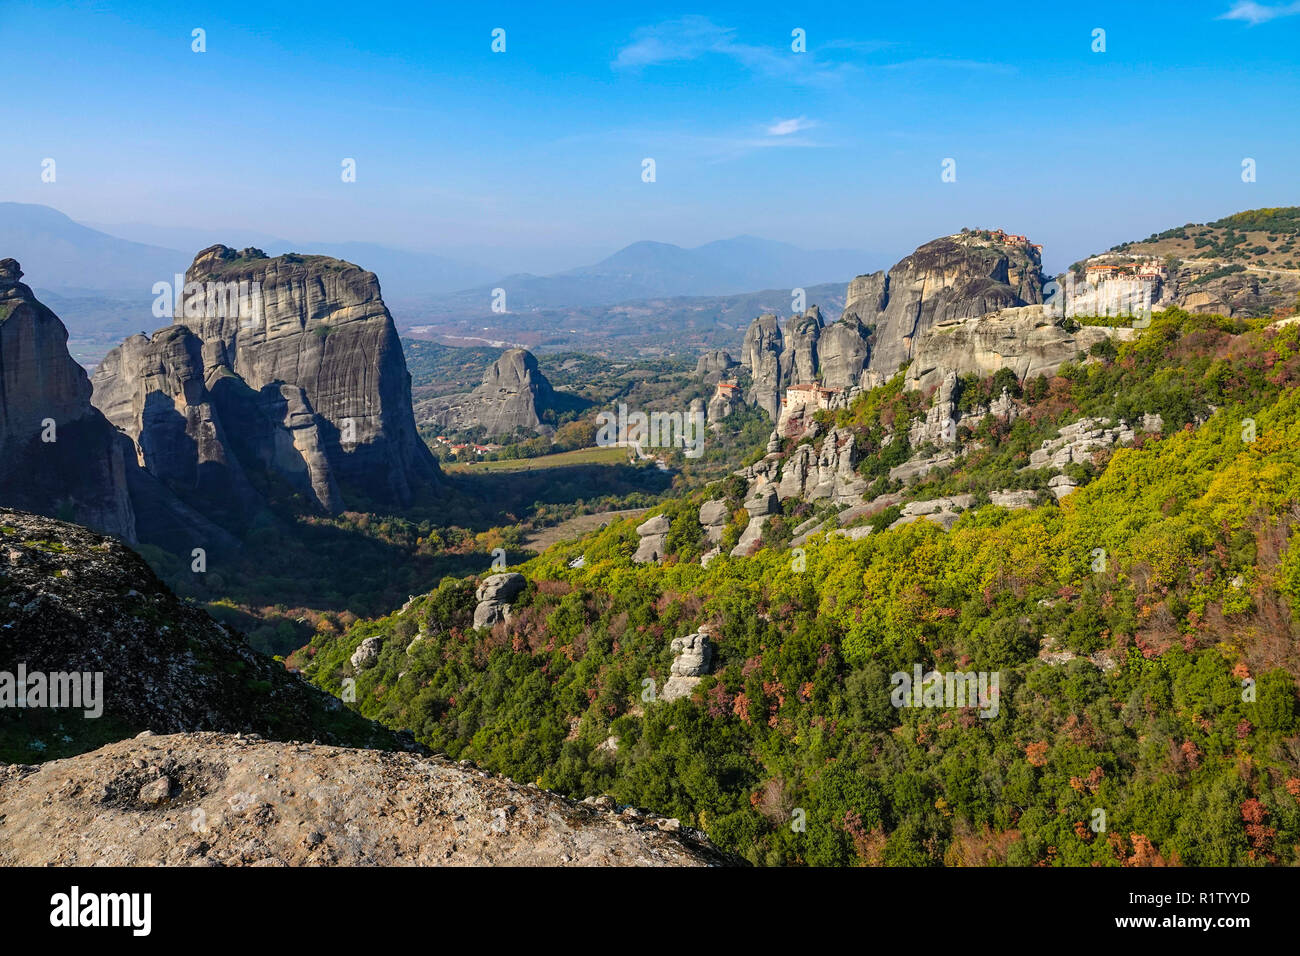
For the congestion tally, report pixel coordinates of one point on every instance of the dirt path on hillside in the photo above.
(543, 538)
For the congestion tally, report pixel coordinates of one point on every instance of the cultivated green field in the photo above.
(581, 456)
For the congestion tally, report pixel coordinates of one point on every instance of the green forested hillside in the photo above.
(1165, 586)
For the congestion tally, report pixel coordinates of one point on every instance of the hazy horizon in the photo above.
(531, 158)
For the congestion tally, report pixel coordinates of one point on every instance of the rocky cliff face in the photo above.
(954, 277)
(1029, 340)
(513, 396)
(304, 382)
(799, 357)
(1249, 292)
(777, 359)
(845, 348)
(326, 331)
(814, 474)
(206, 799)
(154, 391)
(57, 453)
(761, 354)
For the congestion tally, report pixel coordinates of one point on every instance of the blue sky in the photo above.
(531, 159)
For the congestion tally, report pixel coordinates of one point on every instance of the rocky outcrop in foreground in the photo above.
(495, 595)
(74, 602)
(694, 656)
(211, 799)
(653, 543)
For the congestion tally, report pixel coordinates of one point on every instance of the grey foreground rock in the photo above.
(207, 799)
(495, 595)
(501, 587)
(1013, 499)
(366, 654)
(694, 657)
(654, 539)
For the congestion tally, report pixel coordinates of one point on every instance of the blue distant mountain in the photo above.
(647, 270)
(71, 258)
(402, 272)
(58, 253)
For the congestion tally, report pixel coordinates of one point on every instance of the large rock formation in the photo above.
(807, 352)
(939, 427)
(829, 472)
(155, 391)
(513, 397)
(211, 799)
(954, 277)
(303, 382)
(1124, 283)
(726, 397)
(1197, 287)
(57, 453)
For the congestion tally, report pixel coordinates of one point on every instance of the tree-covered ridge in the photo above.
(1143, 630)
(1265, 236)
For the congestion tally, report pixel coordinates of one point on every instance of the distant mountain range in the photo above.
(72, 258)
(60, 254)
(651, 270)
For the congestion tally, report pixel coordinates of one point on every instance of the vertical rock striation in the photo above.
(58, 456)
(301, 383)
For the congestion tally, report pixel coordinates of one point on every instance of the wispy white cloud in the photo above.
(693, 37)
(950, 63)
(787, 126)
(685, 39)
(857, 46)
(1257, 13)
(715, 146)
